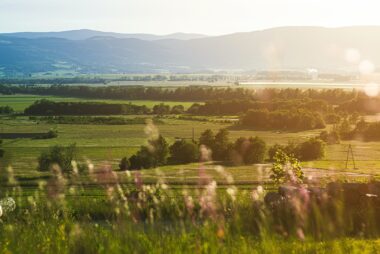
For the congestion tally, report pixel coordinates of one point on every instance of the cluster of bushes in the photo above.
(48, 135)
(296, 120)
(158, 152)
(233, 107)
(244, 151)
(94, 120)
(362, 104)
(46, 107)
(312, 149)
(330, 137)
(163, 109)
(61, 156)
(368, 131)
(6, 110)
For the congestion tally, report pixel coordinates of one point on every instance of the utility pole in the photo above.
(350, 152)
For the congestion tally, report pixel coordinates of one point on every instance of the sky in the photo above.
(212, 17)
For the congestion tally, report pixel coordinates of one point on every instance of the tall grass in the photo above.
(99, 211)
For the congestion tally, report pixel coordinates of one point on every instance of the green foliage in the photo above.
(6, 110)
(207, 138)
(58, 155)
(161, 109)
(178, 109)
(221, 146)
(48, 135)
(286, 169)
(330, 138)
(312, 149)
(182, 152)
(151, 156)
(124, 164)
(250, 150)
(295, 120)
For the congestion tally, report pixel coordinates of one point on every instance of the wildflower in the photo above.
(232, 192)
(1, 211)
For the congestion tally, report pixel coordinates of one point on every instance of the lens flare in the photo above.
(352, 55)
(371, 89)
(366, 67)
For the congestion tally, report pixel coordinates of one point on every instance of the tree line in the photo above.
(188, 93)
(287, 120)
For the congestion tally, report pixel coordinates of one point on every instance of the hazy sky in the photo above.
(168, 16)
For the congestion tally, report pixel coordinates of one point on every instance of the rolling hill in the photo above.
(279, 48)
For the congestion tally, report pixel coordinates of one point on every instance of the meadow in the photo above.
(63, 213)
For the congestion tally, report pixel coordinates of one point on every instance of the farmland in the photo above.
(98, 206)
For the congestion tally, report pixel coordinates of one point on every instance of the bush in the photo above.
(313, 149)
(153, 155)
(178, 109)
(330, 138)
(6, 110)
(48, 135)
(250, 150)
(286, 169)
(58, 155)
(124, 164)
(295, 120)
(182, 152)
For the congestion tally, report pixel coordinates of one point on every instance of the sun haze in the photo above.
(211, 17)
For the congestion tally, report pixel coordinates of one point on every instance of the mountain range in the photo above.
(285, 48)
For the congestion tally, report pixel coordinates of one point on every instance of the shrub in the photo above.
(124, 164)
(330, 138)
(59, 155)
(250, 150)
(153, 155)
(6, 110)
(313, 149)
(178, 109)
(286, 169)
(183, 151)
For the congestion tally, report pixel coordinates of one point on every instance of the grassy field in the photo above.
(173, 209)
(20, 102)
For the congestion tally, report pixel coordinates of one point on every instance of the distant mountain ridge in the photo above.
(84, 34)
(278, 48)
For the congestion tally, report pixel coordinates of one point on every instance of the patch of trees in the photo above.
(330, 137)
(312, 149)
(154, 154)
(46, 107)
(158, 152)
(6, 110)
(362, 104)
(368, 131)
(94, 120)
(296, 120)
(61, 156)
(234, 107)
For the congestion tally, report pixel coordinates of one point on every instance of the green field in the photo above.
(97, 212)
(20, 102)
